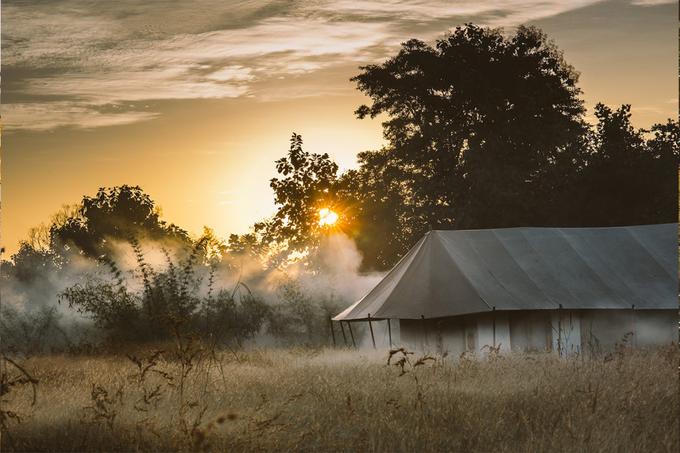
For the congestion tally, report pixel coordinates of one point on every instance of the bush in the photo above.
(169, 302)
(299, 317)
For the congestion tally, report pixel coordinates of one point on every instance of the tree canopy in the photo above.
(484, 130)
(116, 213)
(303, 188)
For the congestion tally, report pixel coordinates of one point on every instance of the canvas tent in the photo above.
(532, 288)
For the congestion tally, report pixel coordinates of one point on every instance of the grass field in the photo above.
(344, 400)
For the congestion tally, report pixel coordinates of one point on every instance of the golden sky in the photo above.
(194, 101)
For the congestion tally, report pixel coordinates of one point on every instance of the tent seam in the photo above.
(467, 279)
(526, 274)
(596, 273)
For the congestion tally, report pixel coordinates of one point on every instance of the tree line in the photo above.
(483, 130)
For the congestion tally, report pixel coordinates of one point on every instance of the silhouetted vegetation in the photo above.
(118, 213)
(484, 130)
(304, 187)
(190, 288)
(629, 175)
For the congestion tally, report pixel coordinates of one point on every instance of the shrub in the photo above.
(169, 301)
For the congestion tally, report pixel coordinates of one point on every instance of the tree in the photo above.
(629, 179)
(659, 176)
(478, 124)
(484, 130)
(304, 187)
(30, 264)
(117, 213)
(383, 225)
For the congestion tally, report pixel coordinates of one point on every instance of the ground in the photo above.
(198, 398)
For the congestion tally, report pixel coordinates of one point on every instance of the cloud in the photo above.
(48, 116)
(86, 64)
(652, 2)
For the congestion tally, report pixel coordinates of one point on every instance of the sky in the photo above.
(194, 101)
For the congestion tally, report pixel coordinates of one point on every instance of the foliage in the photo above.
(299, 318)
(477, 124)
(144, 300)
(31, 264)
(304, 187)
(110, 305)
(116, 213)
(628, 179)
(232, 316)
(384, 224)
(484, 130)
(28, 332)
(169, 301)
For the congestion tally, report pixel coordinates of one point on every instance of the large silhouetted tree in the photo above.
(484, 130)
(479, 123)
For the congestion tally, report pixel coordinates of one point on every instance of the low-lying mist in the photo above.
(81, 303)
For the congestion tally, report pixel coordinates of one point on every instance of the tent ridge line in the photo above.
(417, 248)
(420, 245)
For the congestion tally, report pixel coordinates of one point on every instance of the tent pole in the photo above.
(559, 331)
(424, 331)
(330, 321)
(370, 326)
(493, 322)
(349, 324)
(634, 333)
(344, 338)
(389, 331)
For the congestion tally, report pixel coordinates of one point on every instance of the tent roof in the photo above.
(457, 272)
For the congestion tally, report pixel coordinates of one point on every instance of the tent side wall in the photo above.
(459, 334)
(567, 331)
(602, 330)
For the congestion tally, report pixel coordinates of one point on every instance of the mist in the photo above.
(34, 317)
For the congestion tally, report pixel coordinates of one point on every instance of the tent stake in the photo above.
(370, 326)
(349, 324)
(389, 331)
(344, 338)
(330, 321)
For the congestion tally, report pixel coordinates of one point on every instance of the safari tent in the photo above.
(531, 289)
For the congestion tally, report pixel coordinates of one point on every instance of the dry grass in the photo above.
(341, 400)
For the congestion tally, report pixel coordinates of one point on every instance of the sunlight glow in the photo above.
(327, 217)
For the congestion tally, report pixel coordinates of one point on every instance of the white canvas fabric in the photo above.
(457, 272)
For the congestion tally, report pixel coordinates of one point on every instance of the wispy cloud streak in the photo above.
(87, 64)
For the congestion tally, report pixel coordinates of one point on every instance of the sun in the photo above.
(327, 217)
